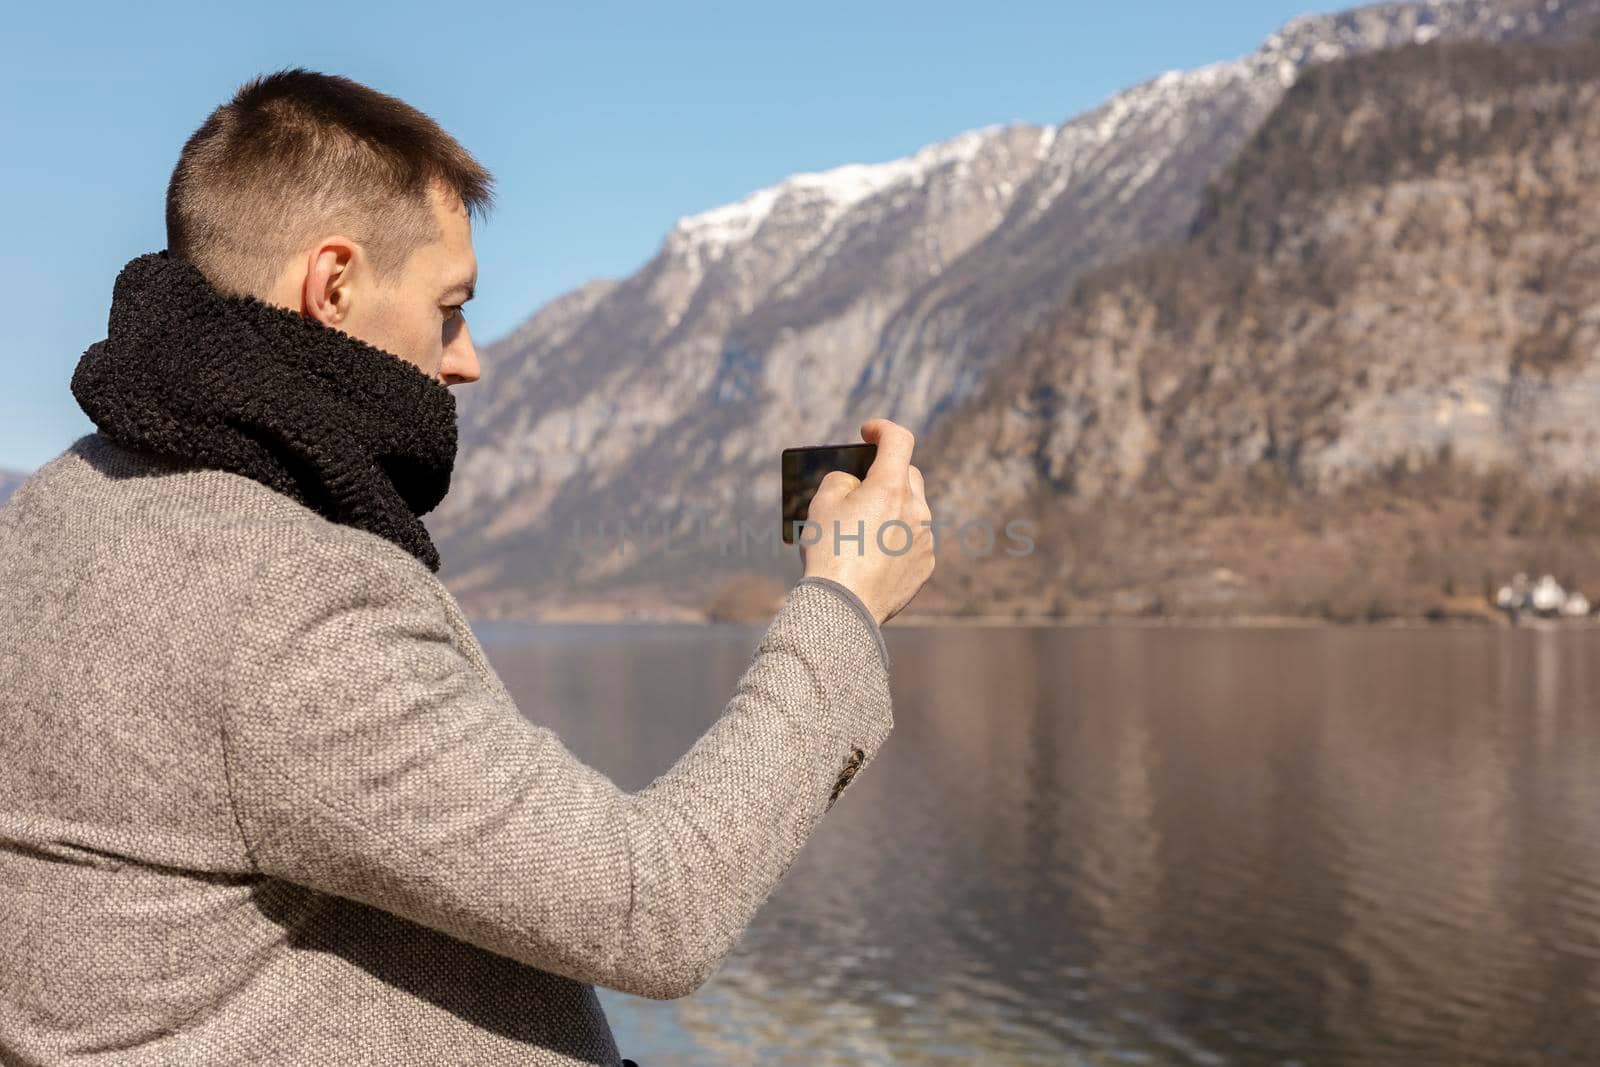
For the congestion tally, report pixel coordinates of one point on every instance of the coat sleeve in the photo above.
(373, 753)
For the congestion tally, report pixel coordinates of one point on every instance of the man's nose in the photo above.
(460, 360)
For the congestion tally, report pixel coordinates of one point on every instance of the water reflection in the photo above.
(1146, 845)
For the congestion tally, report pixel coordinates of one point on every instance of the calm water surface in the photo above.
(1145, 845)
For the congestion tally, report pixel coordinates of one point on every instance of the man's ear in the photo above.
(328, 286)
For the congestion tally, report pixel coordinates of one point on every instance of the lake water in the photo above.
(1145, 845)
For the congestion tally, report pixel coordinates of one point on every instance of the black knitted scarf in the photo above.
(351, 431)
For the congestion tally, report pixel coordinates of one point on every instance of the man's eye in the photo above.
(456, 309)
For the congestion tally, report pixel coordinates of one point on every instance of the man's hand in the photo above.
(862, 518)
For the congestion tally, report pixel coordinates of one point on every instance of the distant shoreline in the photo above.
(1241, 622)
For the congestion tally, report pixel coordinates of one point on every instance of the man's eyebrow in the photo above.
(470, 287)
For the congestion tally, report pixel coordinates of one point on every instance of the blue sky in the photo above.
(603, 123)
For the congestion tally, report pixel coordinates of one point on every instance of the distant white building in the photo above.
(1548, 597)
(1545, 597)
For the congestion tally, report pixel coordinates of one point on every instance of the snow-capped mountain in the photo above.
(887, 288)
(1128, 175)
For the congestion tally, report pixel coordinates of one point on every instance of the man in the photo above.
(264, 799)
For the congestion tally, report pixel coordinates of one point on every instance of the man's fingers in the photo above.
(916, 482)
(834, 485)
(837, 483)
(894, 451)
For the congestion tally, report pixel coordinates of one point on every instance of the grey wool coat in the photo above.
(264, 800)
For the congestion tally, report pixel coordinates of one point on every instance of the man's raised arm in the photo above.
(372, 753)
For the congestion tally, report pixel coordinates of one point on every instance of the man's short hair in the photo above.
(296, 155)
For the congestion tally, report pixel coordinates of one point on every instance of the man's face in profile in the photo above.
(418, 317)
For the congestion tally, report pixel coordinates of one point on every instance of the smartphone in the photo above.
(803, 470)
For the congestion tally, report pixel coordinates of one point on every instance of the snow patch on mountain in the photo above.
(834, 191)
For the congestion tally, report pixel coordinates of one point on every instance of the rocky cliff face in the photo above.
(877, 289)
(1384, 326)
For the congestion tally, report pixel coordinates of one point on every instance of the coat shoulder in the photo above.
(157, 522)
